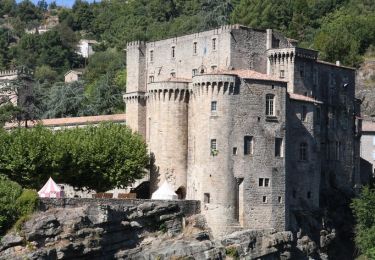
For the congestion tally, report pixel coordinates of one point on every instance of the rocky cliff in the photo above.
(134, 229)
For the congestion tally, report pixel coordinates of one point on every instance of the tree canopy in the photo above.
(98, 157)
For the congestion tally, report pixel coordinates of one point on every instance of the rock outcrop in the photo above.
(146, 230)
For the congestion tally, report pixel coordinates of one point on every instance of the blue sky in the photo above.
(67, 3)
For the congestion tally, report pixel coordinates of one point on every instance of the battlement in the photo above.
(135, 44)
(292, 52)
(9, 73)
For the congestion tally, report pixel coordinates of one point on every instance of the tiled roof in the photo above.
(368, 126)
(303, 98)
(68, 121)
(250, 74)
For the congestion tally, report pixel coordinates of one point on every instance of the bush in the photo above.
(27, 202)
(9, 192)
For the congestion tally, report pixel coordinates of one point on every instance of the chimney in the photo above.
(269, 39)
(337, 63)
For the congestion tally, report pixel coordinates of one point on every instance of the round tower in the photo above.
(167, 127)
(210, 174)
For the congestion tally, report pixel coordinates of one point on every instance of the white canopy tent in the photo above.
(50, 190)
(165, 192)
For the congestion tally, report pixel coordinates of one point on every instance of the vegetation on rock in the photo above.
(15, 204)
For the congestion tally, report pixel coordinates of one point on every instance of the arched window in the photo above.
(303, 152)
(270, 105)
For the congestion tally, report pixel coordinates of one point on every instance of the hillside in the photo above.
(44, 38)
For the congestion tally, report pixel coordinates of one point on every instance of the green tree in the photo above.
(364, 211)
(9, 192)
(98, 157)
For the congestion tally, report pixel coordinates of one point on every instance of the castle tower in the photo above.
(210, 170)
(167, 126)
(135, 99)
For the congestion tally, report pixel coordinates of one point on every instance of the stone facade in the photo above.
(244, 121)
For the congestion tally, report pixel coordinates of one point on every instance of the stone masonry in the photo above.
(244, 121)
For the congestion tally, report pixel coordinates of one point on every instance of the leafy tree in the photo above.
(364, 211)
(62, 100)
(9, 192)
(45, 73)
(98, 157)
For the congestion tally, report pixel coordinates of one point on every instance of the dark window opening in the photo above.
(248, 145)
(261, 182)
(278, 147)
(303, 152)
(294, 194)
(304, 113)
(234, 150)
(213, 106)
(264, 199)
(279, 199)
(206, 197)
(309, 195)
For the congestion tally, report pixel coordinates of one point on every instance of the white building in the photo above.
(85, 48)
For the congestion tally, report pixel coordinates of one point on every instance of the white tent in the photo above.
(50, 190)
(165, 192)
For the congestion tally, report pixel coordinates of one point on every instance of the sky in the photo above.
(67, 3)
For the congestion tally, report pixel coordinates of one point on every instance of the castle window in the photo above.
(214, 44)
(309, 194)
(173, 74)
(264, 199)
(173, 52)
(270, 109)
(248, 145)
(213, 106)
(261, 182)
(234, 150)
(318, 115)
(302, 70)
(278, 147)
(206, 197)
(279, 199)
(304, 114)
(151, 79)
(266, 182)
(303, 151)
(213, 68)
(151, 56)
(195, 48)
(194, 72)
(337, 150)
(282, 74)
(213, 147)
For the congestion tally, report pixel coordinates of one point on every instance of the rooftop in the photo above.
(303, 98)
(71, 121)
(249, 74)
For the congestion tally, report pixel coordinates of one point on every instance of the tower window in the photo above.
(173, 52)
(151, 79)
(282, 74)
(151, 56)
(173, 74)
(304, 113)
(279, 199)
(309, 194)
(278, 147)
(303, 152)
(248, 145)
(206, 197)
(214, 44)
(234, 150)
(195, 48)
(194, 72)
(213, 106)
(213, 146)
(270, 109)
(266, 182)
(261, 182)
(264, 199)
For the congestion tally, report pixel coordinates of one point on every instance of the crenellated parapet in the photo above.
(8, 73)
(221, 83)
(135, 44)
(134, 97)
(168, 90)
(289, 54)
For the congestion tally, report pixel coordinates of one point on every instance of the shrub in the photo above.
(9, 192)
(27, 202)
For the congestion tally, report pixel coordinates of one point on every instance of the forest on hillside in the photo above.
(340, 29)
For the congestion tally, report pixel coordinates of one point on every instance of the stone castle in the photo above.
(244, 121)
